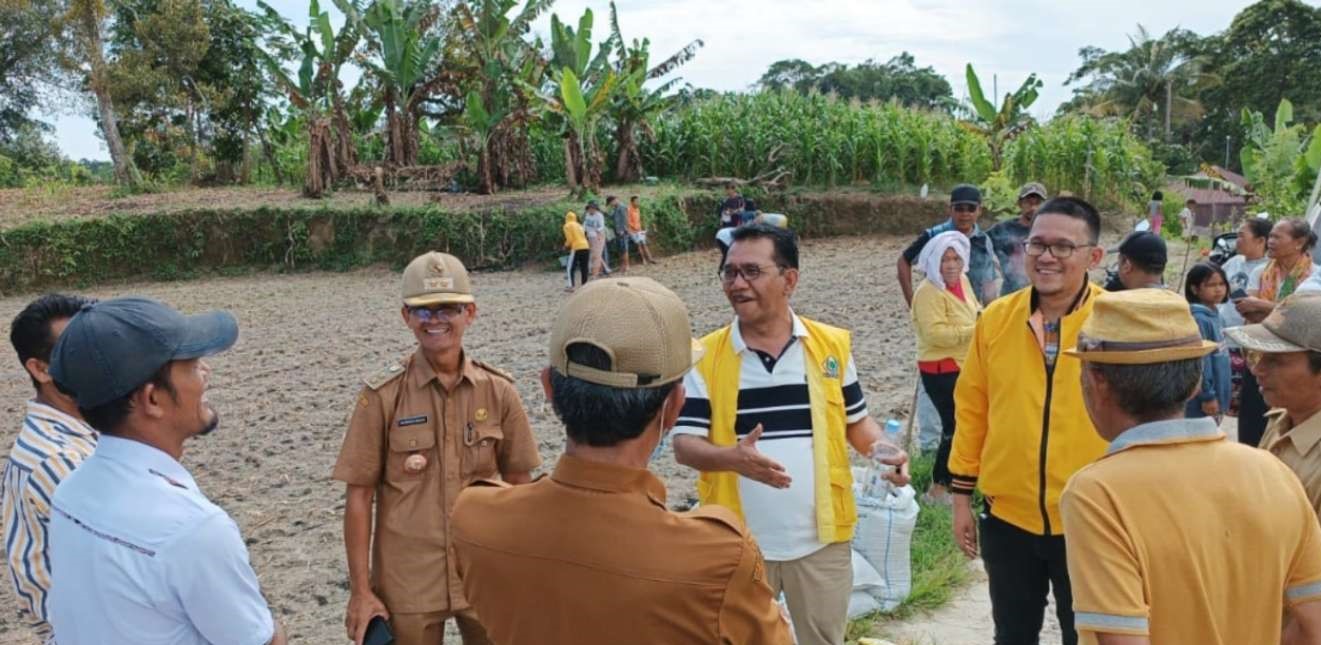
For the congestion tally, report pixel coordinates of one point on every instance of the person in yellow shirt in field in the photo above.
(575, 240)
(945, 311)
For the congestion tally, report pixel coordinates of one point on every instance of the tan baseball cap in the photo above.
(436, 278)
(642, 326)
(1294, 326)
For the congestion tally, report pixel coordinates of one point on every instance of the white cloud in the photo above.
(1007, 39)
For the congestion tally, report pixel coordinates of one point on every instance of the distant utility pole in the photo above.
(1226, 152)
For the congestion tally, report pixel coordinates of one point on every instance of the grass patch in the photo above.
(939, 568)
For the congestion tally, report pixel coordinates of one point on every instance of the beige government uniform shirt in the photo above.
(476, 430)
(591, 556)
(1298, 447)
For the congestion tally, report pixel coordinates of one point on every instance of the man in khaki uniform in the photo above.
(590, 555)
(420, 432)
(1285, 354)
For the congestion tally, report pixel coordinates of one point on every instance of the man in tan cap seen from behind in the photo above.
(1177, 535)
(590, 555)
(1284, 353)
(421, 430)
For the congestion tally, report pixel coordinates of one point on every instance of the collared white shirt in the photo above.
(141, 557)
(48, 447)
(782, 521)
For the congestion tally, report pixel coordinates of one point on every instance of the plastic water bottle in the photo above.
(877, 486)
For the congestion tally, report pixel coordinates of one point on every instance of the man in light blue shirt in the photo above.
(138, 554)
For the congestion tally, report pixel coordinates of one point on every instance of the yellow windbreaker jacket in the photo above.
(1022, 429)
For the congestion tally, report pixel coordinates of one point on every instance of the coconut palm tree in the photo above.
(1155, 81)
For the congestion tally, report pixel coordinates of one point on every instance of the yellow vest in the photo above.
(827, 351)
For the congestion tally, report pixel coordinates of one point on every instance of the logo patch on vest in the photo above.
(831, 367)
(481, 414)
(412, 421)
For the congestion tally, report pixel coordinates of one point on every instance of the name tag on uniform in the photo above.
(412, 421)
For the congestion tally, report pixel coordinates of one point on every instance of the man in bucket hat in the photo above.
(589, 555)
(1177, 535)
(137, 553)
(1284, 352)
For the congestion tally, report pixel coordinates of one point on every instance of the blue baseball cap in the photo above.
(111, 348)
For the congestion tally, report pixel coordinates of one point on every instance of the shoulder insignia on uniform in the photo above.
(492, 482)
(380, 378)
(719, 514)
(495, 370)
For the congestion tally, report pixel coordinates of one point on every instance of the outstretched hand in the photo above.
(754, 465)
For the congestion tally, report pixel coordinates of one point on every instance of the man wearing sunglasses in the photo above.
(965, 207)
(770, 414)
(1284, 352)
(421, 431)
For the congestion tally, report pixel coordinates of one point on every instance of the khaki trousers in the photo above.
(817, 589)
(429, 628)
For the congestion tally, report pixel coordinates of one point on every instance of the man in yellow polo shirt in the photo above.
(1177, 535)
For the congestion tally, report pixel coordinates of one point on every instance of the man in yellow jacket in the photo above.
(1022, 427)
(791, 384)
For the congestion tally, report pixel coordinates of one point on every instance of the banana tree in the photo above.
(316, 91)
(1275, 159)
(581, 87)
(498, 68)
(999, 125)
(406, 60)
(634, 106)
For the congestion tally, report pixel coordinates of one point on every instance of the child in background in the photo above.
(1156, 213)
(635, 230)
(1206, 289)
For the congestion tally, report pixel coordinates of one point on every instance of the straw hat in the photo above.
(1140, 327)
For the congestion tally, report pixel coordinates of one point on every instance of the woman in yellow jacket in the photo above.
(575, 240)
(944, 312)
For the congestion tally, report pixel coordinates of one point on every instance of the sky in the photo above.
(1003, 39)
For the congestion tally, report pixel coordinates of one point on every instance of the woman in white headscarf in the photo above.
(945, 311)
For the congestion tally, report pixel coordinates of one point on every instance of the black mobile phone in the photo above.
(378, 632)
(1238, 294)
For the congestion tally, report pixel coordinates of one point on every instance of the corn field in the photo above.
(1099, 160)
(819, 139)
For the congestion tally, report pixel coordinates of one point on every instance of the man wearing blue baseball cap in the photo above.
(138, 554)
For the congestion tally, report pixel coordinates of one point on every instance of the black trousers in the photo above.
(1022, 567)
(1251, 411)
(580, 260)
(940, 387)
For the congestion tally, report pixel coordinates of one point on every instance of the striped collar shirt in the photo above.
(48, 447)
(773, 393)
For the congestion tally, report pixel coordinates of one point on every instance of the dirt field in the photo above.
(307, 340)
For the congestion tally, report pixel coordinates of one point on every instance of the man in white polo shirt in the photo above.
(790, 384)
(139, 555)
